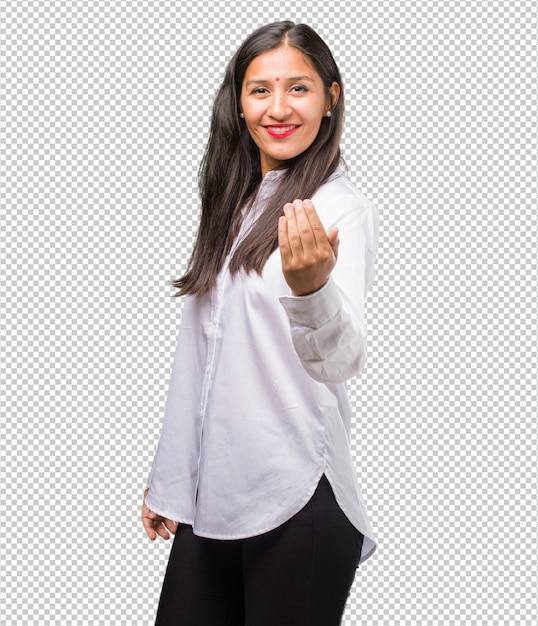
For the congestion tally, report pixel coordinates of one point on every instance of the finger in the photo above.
(157, 524)
(170, 525)
(151, 522)
(304, 227)
(283, 241)
(334, 240)
(294, 238)
(147, 522)
(161, 530)
(148, 527)
(318, 231)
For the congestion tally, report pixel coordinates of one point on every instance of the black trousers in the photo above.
(299, 574)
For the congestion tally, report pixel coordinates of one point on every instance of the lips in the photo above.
(281, 130)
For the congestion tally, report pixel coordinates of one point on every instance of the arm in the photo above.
(326, 309)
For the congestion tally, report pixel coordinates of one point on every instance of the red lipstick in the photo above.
(280, 131)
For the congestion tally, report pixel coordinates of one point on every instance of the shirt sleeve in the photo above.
(328, 328)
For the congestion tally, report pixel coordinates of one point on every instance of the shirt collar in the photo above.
(270, 181)
(274, 175)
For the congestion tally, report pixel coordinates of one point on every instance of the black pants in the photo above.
(299, 574)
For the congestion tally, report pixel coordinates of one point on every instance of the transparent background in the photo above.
(104, 110)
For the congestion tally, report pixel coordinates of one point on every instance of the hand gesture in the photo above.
(308, 253)
(156, 524)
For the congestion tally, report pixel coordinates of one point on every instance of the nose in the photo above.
(279, 107)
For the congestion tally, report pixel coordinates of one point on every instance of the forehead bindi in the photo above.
(280, 65)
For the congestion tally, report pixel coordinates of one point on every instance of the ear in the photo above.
(334, 91)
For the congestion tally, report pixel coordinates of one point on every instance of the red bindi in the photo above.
(277, 78)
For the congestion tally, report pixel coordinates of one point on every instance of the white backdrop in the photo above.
(104, 111)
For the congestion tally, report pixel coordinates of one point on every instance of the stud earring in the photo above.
(241, 115)
(329, 113)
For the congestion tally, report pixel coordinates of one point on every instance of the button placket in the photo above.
(217, 297)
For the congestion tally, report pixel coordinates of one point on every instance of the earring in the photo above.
(241, 115)
(329, 113)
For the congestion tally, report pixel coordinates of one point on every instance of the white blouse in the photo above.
(257, 408)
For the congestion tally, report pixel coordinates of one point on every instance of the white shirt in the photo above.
(257, 408)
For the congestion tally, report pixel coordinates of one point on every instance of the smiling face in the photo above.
(284, 100)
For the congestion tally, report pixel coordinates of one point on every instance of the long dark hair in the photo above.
(230, 172)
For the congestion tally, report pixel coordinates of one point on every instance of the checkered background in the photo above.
(104, 110)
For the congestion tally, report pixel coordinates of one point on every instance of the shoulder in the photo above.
(338, 191)
(339, 200)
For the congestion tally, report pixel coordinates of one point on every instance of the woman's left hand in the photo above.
(308, 253)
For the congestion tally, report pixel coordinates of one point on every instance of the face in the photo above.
(284, 101)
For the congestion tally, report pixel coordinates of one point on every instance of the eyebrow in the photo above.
(291, 79)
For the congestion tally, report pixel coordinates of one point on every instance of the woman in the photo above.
(253, 471)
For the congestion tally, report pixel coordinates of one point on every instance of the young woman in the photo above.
(253, 472)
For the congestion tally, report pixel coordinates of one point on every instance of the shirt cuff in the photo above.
(316, 309)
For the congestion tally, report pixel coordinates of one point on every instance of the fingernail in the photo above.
(288, 209)
(307, 204)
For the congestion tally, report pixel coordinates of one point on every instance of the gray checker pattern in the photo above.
(104, 110)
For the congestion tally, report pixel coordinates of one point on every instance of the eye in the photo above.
(260, 90)
(299, 88)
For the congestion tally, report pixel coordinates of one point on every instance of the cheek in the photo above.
(252, 113)
(314, 114)
(253, 131)
(250, 122)
(315, 123)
